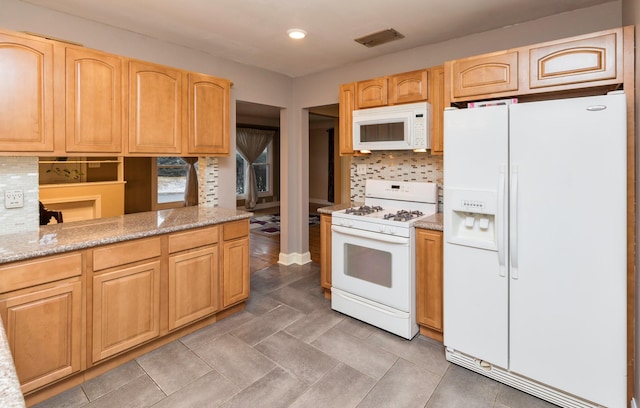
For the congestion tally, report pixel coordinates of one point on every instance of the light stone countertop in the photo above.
(433, 222)
(10, 394)
(330, 209)
(65, 237)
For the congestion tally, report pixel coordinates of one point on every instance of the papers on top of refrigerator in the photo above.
(484, 104)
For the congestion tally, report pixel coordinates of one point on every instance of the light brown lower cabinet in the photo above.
(193, 285)
(139, 295)
(126, 308)
(429, 282)
(235, 261)
(44, 329)
(41, 308)
(325, 254)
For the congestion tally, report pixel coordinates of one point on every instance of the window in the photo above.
(172, 181)
(263, 170)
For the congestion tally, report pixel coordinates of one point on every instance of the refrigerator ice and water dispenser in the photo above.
(473, 218)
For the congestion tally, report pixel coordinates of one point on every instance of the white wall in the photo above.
(319, 162)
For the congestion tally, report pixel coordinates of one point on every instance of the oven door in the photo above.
(371, 265)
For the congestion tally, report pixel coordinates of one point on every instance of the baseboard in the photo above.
(633, 403)
(294, 258)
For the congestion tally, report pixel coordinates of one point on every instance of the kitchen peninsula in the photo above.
(80, 298)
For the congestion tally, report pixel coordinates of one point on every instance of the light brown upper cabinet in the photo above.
(26, 94)
(371, 93)
(485, 75)
(208, 115)
(436, 98)
(155, 109)
(93, 101)
(578, 62)
(347, 105)
(408, 87)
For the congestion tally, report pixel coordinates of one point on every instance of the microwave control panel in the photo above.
(420, 124)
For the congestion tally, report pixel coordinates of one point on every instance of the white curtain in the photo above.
(251, 143)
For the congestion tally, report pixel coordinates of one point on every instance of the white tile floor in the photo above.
(289, 349)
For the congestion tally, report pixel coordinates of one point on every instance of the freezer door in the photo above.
(568, 246)
(475, 286)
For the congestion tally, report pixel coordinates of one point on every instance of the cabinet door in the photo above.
(371, 93)
(26, 106)
(193, 285)
(44, 330)
(126, 307)
(93, 101)
(436, 98)
(155, 109)
(235, 271)
(429, 278)
(408, 87)
(208, 115)
(347, 105)
(325, 252)
(484, 75)
(577, 63)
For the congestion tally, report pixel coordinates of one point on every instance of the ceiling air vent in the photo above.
(380, 37)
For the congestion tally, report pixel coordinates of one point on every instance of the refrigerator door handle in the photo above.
(513, 236)
(501, 221)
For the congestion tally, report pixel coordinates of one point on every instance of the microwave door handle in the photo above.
(391, 239)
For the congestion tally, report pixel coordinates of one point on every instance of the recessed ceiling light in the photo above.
(296, 33)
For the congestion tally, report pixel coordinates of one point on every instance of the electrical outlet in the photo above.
(361, 169)
(13, 199)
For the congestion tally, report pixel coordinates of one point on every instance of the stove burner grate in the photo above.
(363, 210)
(403, 215)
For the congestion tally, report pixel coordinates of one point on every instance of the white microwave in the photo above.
(397, 127)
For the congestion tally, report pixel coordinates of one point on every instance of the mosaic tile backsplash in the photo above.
(19, 173)
(397, 165)
(208, 181)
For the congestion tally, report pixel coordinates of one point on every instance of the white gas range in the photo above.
(373, 254)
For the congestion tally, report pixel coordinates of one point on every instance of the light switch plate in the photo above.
(361, 169)
(13, 199)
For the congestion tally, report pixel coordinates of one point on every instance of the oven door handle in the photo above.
(391, 239)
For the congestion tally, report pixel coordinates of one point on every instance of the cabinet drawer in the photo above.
(30, 273)
(236, 229)
(120, 254)
(192, 239)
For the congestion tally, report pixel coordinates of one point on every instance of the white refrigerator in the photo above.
(535, 246)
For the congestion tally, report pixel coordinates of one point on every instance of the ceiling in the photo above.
(253, 32)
